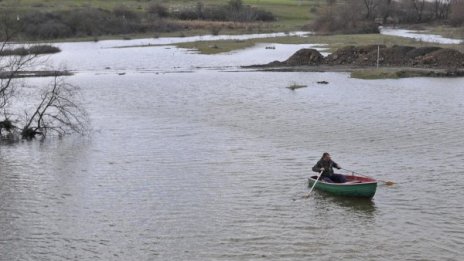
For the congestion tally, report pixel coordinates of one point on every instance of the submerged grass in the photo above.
(331, 42)
(295, 86)
(215, 47)
(393, 73)
(33, 50)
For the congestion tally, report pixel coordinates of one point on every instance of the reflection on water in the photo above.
(164, 59)
(365, 207)
(175, 40)
(204, 166)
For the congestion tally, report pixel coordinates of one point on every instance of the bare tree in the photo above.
(456, 16)
(419, 7)
(58, 112)
(441, 9)
(370, 7)
(385, 9)
(11, 66)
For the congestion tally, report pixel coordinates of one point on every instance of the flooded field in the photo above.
(420, 35)
(193, 158)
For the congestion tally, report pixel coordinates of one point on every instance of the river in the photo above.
(192, 158)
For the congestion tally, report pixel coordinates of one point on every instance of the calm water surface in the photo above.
(204, 164)
(420, 35)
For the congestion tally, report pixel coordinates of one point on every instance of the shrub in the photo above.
(93, 22)
(215, 30)
(235, 5)
(187, 14)
(37, 49)
(218, 13)
(233, 11)
(44, 49)
(157, 9)
(338, 20)
(124, 12)
(89, 21)
(52, 29)
(263, 15)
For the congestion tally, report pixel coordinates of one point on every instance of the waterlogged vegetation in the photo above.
(295, 86)
(446, 31)
(330, 42)
(35, 49)
(397, 73)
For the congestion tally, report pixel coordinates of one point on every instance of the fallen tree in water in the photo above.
(50, 109)
(53, 109)
(58, 112)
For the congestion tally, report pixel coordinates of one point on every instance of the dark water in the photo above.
(212, 165)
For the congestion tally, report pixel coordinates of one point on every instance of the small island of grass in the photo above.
(33, 50)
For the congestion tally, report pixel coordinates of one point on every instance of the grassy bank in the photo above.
(332, 42)
(385, 73)
(397, 73)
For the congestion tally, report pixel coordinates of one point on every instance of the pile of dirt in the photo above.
(300, 58)
(305, 57)
(447, 58)
(351, 55)
(395, 56)
(421, 51)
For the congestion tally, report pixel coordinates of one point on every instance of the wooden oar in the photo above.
(309, 193)
(387, 182)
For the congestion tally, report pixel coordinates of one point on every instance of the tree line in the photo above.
(363, 16)
(156, 17)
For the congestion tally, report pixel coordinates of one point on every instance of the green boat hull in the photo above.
(363, 188)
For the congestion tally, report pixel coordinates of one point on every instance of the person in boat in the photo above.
(326, 165)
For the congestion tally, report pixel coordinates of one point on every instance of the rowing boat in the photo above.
(355, 186)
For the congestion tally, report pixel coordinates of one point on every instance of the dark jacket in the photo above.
(327, 165)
